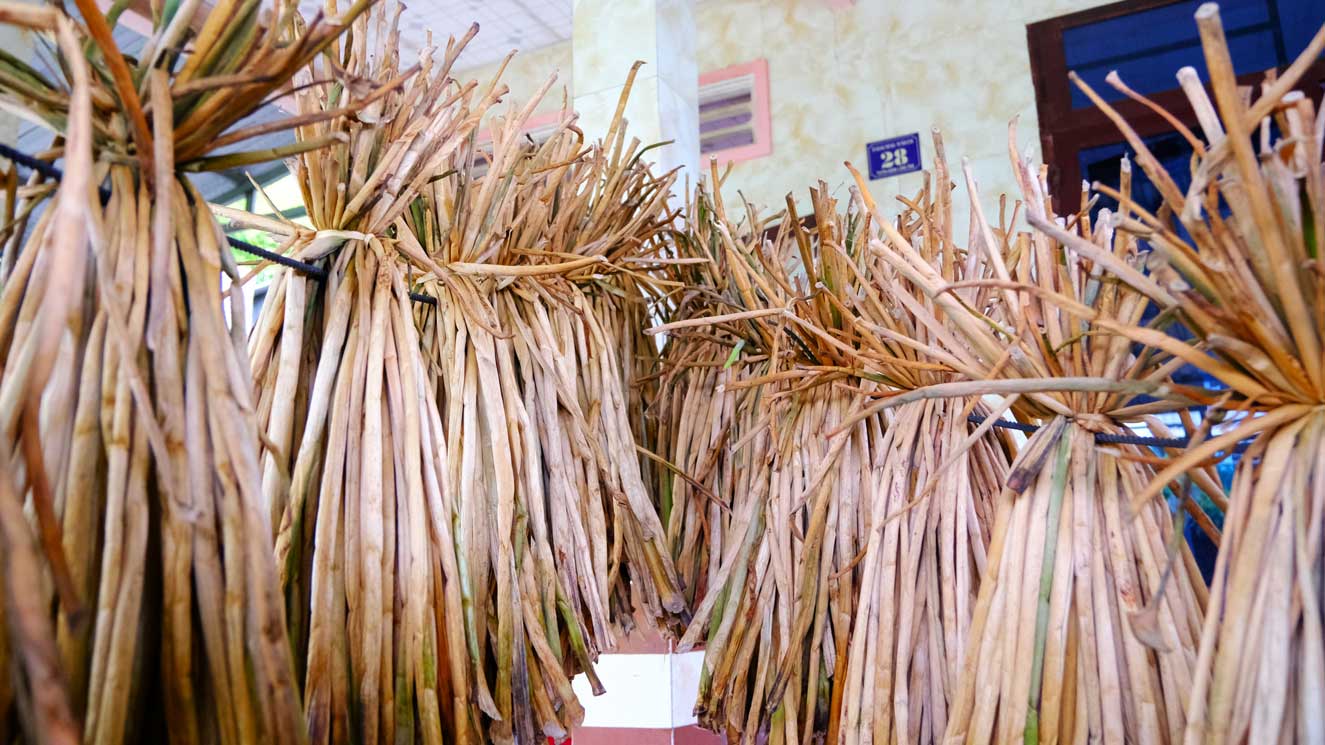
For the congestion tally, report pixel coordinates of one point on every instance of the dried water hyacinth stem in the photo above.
(1057, 648)
(934, 497)
(1249, 285)
(366, 554)
(862, 550)
(539, 268)
(354, 446)
(750, 516)
(35, 554)
(139, 446)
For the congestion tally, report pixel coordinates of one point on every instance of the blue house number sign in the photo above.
(894, 156)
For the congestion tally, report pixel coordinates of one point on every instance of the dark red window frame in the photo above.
(1065, 132)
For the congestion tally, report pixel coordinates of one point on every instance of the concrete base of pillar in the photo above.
(649, 700)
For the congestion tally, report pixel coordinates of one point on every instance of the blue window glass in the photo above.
(1147, 47)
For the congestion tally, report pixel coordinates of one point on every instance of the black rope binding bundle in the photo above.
(1102, 438)
(316, 272)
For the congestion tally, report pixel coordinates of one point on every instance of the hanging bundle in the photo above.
(934, 494)
(765, 514)
(779, 346)
(129, 422)
(354, 449)
(539, 253)
(1248, 281)
(1090, 605)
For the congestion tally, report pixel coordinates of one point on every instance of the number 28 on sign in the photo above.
(894, 156)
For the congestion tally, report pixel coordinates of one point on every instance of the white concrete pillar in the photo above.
(608, 37)
(650, 697)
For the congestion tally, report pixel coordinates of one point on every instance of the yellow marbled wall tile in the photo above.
(730, 32)
(620, 33)
(642, 116)
(526, 73)
(841, 78)
(678, 121)
(677, 63)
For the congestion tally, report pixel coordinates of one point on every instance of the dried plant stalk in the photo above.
(354, 447)
(1248, 284)
(1057, 645)
(126, 394)
(935, 495)
(541, 258)
(833, 575)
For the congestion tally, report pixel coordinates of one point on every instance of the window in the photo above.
(1146, 41)
(734, 119)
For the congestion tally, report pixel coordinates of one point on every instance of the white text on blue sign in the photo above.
(893, 156)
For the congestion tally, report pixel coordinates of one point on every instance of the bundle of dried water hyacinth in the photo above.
(354, 448)
(864, 549)
(536, 272)
(129, 423)
(1090, 606)
(764, 518)
(935, 494)
(1250, 283)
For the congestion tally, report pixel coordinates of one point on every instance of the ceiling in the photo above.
(504, 25)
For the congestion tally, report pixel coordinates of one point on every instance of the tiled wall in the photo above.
(842, 77)
(528, 72)
(845, 74)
